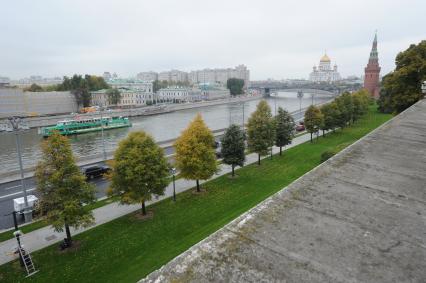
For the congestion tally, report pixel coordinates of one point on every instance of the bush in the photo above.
(326, 155)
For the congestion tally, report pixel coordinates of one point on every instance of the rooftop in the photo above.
(358, 217)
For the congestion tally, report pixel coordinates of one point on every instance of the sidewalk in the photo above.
(44, 237)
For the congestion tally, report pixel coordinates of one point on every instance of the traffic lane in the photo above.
(6, 201)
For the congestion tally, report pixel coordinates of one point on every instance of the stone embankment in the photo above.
(358, 217)
(42, 121)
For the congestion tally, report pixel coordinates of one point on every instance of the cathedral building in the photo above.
(324, 72)
(372, 71)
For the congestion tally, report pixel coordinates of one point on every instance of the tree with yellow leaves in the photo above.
(139, 170)
(195, 156)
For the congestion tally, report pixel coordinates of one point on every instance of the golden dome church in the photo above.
(324, 72)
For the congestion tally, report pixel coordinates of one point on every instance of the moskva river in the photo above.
(162, 127)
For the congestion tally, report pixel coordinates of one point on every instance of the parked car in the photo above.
(300, 127)
(95, 171)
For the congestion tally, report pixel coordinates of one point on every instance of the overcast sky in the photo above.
(275, 39)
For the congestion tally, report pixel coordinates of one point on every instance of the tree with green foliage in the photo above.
(34, 88)
(81, 87)
(139, 170)
(114, 96)
(402, 87)
(284, 128)
(331, 115)
(195, 156)
(233, 147)
(261, 130)
(62, 188)
(235, 86)
(313, 119)
(361, 101)
(345, 104)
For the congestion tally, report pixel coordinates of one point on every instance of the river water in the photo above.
(162, 127)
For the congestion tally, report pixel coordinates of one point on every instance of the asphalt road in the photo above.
(12, 190)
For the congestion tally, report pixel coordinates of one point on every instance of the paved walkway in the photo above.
(44, 237)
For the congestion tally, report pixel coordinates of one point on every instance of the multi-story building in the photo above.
(129, 98)
(324, 72)
(179, 94)
(4, 81)
(25, 82)
(144, 86)
(107, 76)
(212, 92)
(147, 76)
(173, 76)
(178, 76)
(220, 76)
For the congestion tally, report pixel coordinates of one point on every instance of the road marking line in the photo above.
(9, 188)
(17, 193)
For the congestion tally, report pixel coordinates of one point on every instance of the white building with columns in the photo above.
(324, 72)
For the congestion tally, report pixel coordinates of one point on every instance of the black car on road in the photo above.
(95, 171)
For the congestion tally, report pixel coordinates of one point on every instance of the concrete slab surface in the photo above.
(359, 217)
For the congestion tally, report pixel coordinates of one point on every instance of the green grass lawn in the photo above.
(127, 249)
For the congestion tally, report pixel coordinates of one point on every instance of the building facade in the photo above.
(132, 84)
(324, 72)
(129, 98)
(372, 71)
(178, 94)
(147, 76)
(220, 76)
(16, 102)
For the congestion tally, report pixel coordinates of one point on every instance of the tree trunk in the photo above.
(233, 170)
(323, 133)
(281, 150)
(67, 231)
(258, 159)
(271, 152)
(198, 185)
(311, 137)
(143, 208)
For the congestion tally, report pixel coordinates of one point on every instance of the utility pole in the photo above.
(103, 138)
(15, 123)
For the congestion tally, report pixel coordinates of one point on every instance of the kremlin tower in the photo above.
(372, 71)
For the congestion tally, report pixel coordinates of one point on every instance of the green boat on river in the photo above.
(86, 125)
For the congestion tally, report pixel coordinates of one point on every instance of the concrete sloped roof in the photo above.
(359, 217)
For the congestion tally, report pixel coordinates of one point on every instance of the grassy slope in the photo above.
(127, 249)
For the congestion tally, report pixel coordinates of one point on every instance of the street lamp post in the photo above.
(15, 123)
(243, 117)
(275, 103)
(300, 96)
(174, 185)
(103, 138)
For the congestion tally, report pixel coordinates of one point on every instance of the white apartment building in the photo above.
(179, 94)
(220, 76)
(147, 76)
(173, 75)
(129, 98)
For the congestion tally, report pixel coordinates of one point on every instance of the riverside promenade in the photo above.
(358, 217)
(44, 237)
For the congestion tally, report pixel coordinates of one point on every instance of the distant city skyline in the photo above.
(274, 39)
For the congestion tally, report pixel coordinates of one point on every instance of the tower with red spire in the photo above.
(372, 71)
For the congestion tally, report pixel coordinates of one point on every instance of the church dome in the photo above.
(325, 58)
